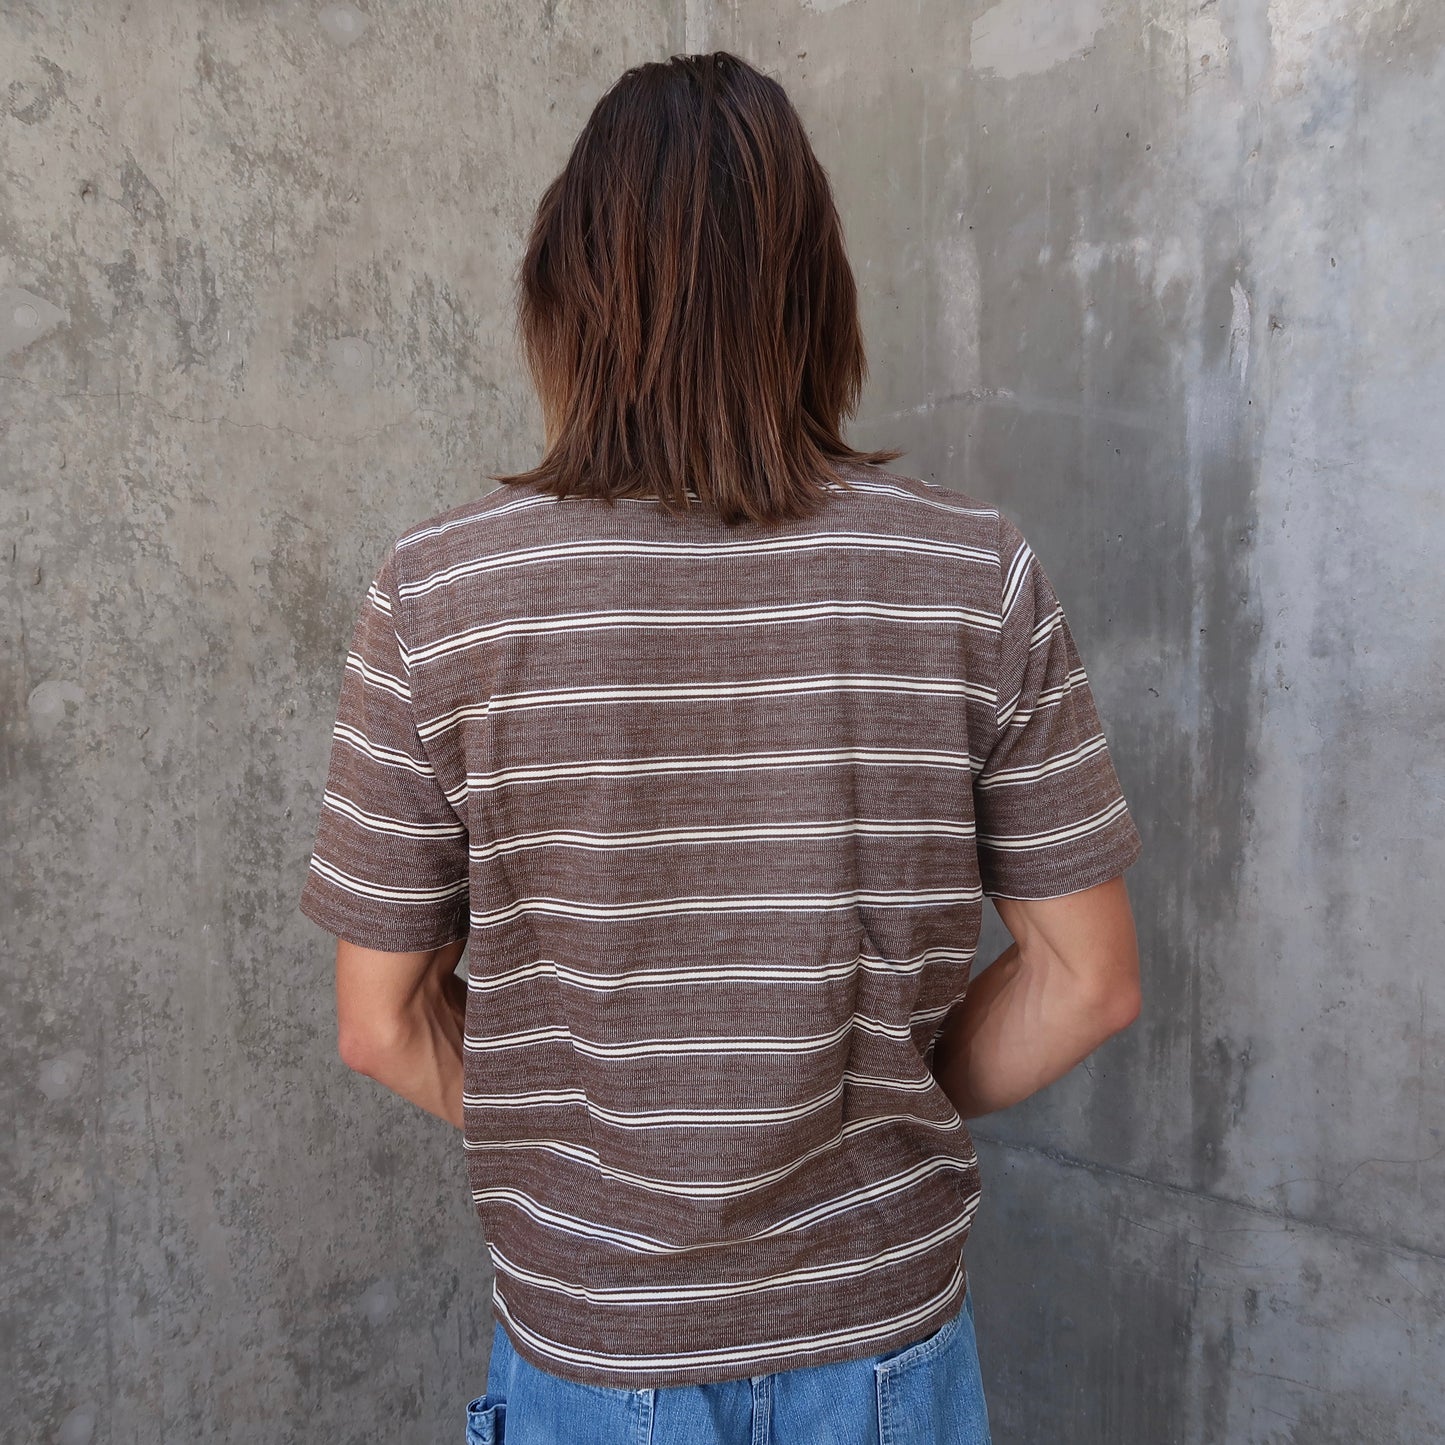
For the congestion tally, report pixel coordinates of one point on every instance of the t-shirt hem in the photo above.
(763, 1364)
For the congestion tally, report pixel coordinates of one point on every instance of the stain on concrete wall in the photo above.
(255, 286)
(1164, 280)
(1028, 37)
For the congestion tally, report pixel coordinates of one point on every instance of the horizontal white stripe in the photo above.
(698, 620)
(378, 823)
(931, 1015)
(731, 1357)
(719, 763)
(377, 677)
(1059, 763)
(652, 693)
(714, 1045)
(1051, 838)
(879, 1081)
(741, 833)
(362, 889)
(597, 549)
(721, 973)
(722, 903)
(883, 1029)
(657, 1118)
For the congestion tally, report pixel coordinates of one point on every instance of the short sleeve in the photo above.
(1050, 815)
(389, 869)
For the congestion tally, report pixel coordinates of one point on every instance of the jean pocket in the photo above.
(931, 1392)
(486, 1418)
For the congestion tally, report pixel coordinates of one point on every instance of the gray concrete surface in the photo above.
(272, 258)
(1166, 281)
(1163, 279)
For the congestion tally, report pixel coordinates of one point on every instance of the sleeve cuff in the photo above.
(1110, 856)
(367, 926)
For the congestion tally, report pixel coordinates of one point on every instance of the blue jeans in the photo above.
(927, 1393)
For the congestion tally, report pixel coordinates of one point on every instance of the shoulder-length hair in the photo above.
(686, 305)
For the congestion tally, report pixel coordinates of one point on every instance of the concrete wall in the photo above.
(267, 258)
(1163, 279)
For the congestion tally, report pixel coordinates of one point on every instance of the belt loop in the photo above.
(762, 1409)
(646, 1411)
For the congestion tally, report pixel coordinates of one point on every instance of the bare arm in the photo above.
(400, 1020)
(1069, 981)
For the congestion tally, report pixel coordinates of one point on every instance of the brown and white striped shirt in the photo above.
(716, 809)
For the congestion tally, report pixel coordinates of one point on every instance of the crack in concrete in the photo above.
(1071, 1161)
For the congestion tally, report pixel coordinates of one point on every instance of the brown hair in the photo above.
(686, 305)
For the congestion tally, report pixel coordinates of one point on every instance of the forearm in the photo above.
(421, 1060)
(1017, 1030)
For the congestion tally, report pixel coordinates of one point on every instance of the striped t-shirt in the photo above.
(716, 809)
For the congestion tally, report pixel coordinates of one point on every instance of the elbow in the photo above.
(365, 1048)
(356, 1049)
(1119, 1008)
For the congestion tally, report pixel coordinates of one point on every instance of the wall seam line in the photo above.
(1059, 1156)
